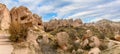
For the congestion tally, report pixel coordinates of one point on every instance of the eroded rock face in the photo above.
(34, 24)
(117, 36)
(5, 19)
(77, 23)
(30, 46)
(47, 43)
(54, 24)
(62, 39)
(20, 13)
(24, 16)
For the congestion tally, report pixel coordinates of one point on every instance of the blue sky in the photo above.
(87, 10)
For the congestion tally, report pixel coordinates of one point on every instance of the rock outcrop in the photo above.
(33, 22)
(54, 24)
(30, 46)
(62, 39)
(94, 51)
(24, 16)
(5, 19)
(64, 36)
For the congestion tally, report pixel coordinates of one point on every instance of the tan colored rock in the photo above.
(53, 24)
(112, 50)
(94, 51)
(77, 23)
(37, 20)
(34, 24)
(87, 35)
(64, 22)
(77, 42)
(95, 42)
(20, 13)
(5, 19)
(92, 42)
(62, 39)
(84, 43)
(30, 46)
(89, 40)
(20, 48)
(47, 43)
(24, 16)
(117, 36)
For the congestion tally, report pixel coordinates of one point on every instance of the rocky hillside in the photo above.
(102, 30)
(103, 27)
(29, 35)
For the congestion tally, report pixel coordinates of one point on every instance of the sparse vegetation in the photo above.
(18, 32)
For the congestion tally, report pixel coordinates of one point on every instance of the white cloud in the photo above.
(83, 1)
(44, 9)
(30, 1)
(106, 16)
(116, 20)
(80, 14)
(68, 9)
(99, 9)
(103, 11)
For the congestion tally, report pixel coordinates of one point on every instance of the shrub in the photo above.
(18, 32)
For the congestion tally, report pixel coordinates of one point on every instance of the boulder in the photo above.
(47, 44)
(62, 39)
(117, 36)
(77, 23)
(49, 26)
(54, 24)
(94, 50)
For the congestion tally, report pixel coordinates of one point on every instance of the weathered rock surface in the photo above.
(47, 43)
(77, 23)
(34, 23)
(54, 24)
(62, 39)
(112, 50)
(68, 35)
(5, 19)
(30, 46)
(94, 51)
(24, 16)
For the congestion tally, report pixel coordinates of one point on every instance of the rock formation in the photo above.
(117, 36)
(5, 19)
(24, 16)
(47, 43)
(94, 51)
(54, 24)
(62, 39)
(64, 36)
(77, 23)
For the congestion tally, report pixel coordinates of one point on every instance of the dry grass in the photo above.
(18, 32)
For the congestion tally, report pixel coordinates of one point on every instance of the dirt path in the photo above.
(5, 44)
(6, 49)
